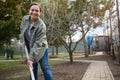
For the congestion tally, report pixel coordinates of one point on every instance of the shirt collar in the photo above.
(38, 21)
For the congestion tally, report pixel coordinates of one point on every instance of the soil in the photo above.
(67, 71)
(64, 71)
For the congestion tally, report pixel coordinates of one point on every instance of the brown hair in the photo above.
(34, 3)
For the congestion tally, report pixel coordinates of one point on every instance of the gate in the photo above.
(102, 43)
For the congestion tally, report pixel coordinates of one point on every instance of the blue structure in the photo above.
(89, 41)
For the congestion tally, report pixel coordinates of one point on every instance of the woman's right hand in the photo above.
(22, 42)
(30, 63)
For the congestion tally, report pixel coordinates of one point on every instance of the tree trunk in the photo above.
(117, 4)
(56, 50)
(85, 48)
(71, 57)
(52, 50)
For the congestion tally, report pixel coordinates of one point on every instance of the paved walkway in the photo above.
(98, 70)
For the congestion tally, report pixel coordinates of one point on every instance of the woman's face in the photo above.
(34, 12)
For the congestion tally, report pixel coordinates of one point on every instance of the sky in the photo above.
(98, 31)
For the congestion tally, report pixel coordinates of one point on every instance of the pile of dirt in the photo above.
(69, 71)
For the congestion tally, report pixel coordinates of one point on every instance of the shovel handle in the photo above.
(31, 70)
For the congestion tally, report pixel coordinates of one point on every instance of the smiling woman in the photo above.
(33, 35)
(34, 12)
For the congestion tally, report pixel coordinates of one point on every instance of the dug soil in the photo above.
(64, 71)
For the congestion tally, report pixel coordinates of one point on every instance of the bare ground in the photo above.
(64, 71)
(67, 71)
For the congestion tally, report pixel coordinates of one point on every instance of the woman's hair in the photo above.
(34, 3)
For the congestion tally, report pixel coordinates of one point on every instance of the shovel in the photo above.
(31, 71)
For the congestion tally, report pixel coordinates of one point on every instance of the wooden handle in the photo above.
(31, 71)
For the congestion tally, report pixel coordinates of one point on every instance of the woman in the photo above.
(33, 33)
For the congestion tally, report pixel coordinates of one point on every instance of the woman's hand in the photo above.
(29, 63)
(23, 43)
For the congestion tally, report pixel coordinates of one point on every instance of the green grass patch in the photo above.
(2, 58)
(51, 62)
(19, 56)
(61, 55)
(8, 65)
(16, 56)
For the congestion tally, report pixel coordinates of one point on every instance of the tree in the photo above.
(11, 14)
(10, 18)
(61, 15)
(117, 4)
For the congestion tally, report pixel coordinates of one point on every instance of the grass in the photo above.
(55, 62)
(15, 57)
(61, 55)
(9, 65)
(2, 58)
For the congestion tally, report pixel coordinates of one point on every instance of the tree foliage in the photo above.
(61, 15)
(11, 13)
